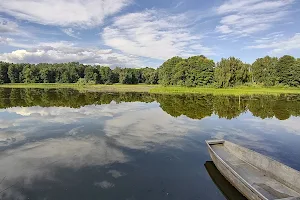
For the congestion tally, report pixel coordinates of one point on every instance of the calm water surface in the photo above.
(63, 144)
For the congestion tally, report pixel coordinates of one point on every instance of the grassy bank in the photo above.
(161, 90)
(95, 88)
(225, 91)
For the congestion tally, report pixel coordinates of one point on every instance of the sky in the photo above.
(142, 33)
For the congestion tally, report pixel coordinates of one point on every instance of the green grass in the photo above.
(226, 91)
(121, 88)
(88, 87)
(244, 90)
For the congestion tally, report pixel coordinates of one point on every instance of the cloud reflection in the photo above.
(146, 128)
(291, 125)
(126, 125)
(37, 141)
(39, 160)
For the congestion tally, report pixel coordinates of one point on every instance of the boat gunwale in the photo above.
(214, 142)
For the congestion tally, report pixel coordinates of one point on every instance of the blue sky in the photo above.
(139, 33)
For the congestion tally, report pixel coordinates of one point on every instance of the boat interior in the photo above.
(258, 178)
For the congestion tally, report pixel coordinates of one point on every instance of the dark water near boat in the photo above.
(63, 144)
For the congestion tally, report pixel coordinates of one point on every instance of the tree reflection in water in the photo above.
(194, 106)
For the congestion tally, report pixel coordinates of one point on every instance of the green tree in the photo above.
(264, 71)
(73, 78)
(284, 67)
(80, 70)
(106, 75)
(194, 71)
(68, 73)
(14, 72)
(294, 75)
(243, 75)
(3, 72)
(231, 72)
(128, 76)
(47, 74)
(31, 74)
(91, 75)
(116, 75)
(59, 70)
(190, 72)
(200, 71)
(167, 71)
(180, 75)
(138, 74)
(150, 75)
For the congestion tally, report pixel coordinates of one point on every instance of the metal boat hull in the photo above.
(253, 182)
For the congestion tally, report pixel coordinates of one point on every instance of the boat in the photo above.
(229, 192)
(254, 175)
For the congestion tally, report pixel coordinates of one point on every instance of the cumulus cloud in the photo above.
(247, 17)
(59, 52)
(66, 13)
(154, 34)
(277, 44)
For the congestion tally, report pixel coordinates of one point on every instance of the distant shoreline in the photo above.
(158, 89)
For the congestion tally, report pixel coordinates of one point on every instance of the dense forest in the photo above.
(190, 72)
(193, 106)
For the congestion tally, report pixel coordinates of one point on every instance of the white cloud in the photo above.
(154, 34)
(143, 129)
(291, 125)
(59, 52)
(87, 13)
(224, 29)
(247, 17)
(129, 125)
(5, 40)
(19, 31)
(180, 3)
(70, 32)
(17, 130)
(39, 160)
(7, 26)
(277, 45)
(8, 41)
(250, 6)
(67, 115)
(116, 173)
(104, 184)
(271, 37)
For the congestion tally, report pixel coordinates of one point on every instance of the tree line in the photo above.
(193, 106)
(74, 72)
(190, 72)
(230, 72)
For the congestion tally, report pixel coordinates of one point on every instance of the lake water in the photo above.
(63, 144)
